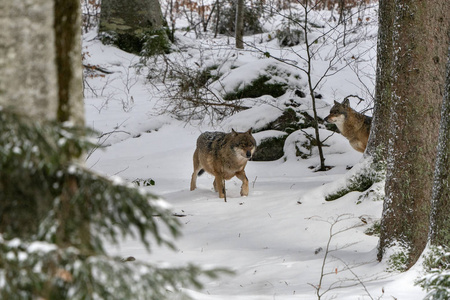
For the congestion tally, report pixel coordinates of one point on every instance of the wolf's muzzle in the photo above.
(249, 154)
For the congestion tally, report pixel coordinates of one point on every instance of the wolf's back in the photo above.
(210, 141)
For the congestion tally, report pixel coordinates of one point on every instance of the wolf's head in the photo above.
(338, 113)
(243, 143)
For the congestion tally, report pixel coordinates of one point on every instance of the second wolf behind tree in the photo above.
(351, 124)
(223, 155)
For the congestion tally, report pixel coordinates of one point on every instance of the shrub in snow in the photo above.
(300, 144)
(273, 147)
(263, 85)
(368, 175)
(270, 148)
(288, 37)
(437, 279)
(262, 77)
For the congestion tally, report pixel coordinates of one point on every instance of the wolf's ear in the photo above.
(233, 132)
(336, 103)
(250, 130)
(346, 102)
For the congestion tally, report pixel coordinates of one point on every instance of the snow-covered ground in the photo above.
(275, 239)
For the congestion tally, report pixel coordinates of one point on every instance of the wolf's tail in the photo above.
(201, 172)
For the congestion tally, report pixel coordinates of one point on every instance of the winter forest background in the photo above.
(101, 103)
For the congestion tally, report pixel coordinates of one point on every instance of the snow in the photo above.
(275, 238)
(256, 118)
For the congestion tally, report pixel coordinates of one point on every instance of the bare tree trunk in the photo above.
(440, 215)
(239, 24)
(341, 6)
(377, 144)
(28, 78)
(41, 78)
(219, 6)
(419, 48)
(70, 108)
(309, 62)
(68, 61)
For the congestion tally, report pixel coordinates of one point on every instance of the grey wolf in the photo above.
(223, 155)
(351, 124)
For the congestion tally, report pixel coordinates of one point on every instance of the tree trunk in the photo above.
(440, 215)
(419, 48)
(28, 80)
(377, 144)
(41, 78)
(28, 85)
(239, 24)
(341, 6)
(70, 108)
(127, 22)
(219, 6)
(68, 61)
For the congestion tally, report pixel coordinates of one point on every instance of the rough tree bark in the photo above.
(440, 215)
(68, 61)
(41, 62)
(28, 78)
(419, 46)
(240, 24)
(377, 144)
(41, 78)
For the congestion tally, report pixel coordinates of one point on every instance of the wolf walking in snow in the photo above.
(352, 124)
(223, 155)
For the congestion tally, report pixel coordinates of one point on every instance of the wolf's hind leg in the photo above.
(197, 169)
(216, 189)
(244, 188)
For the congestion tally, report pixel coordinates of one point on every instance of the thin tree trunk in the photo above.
(239, 24)
(70, 108)
(68, 61)
(309, 62)
(216, 30)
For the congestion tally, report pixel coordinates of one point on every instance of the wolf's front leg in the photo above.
(219, 184)
(244, 188)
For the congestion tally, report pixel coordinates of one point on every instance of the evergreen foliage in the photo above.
(155, 42)
(227, 19)
(437, 280)
(362, 180)
(39, 269)
(55, 217)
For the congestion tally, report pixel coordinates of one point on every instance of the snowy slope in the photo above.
(275, 239)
